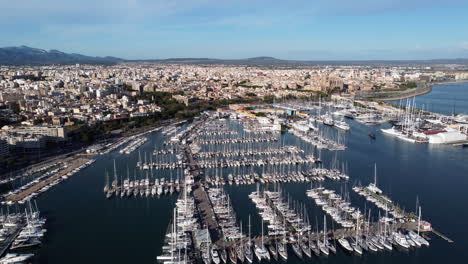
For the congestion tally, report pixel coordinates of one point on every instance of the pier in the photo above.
(206, 213)
(72, 164)
(5, 245)
(437, 233)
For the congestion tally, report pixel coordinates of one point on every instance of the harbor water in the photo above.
(84, 227)
(447, 99)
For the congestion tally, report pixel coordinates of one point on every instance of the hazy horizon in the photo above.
(293, 30)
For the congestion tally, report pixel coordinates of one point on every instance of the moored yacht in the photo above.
(248, 253)
(400, 240)
(344, 243)
(215, 256)
(273, 251)
(15, 258)
(282, 250)
(297, 249)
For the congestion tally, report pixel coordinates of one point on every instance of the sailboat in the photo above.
(127, 184)
(297, 248)
(206, 253)
(370, 244)
(222, 251)
(306, 248)
(240, 248)
(260, 251)
(282, 248)
(115, 182)
(223, 255)
(418, 239)
(248, 248)
(345, 244)
(273, 248)
(313, 246)
(305, 244)
(15, 258)
(123, 190)
(214, 255)
(106, 186)
(330, 246)
(323, 244)
(373, 186)
(110, 192)
(136, 190)
(384, 240)
(356, 245)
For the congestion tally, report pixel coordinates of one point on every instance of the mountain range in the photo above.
(27, 55)
(24, 55)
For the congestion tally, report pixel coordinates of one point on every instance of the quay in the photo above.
(72, 164)
(206, 213)
(202, 201)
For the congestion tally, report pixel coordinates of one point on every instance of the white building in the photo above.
(447, 137)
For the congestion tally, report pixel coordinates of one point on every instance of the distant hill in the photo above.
(27, 55)
(256, 61)
(270, 61)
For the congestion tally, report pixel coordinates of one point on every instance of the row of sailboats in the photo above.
(142, 187)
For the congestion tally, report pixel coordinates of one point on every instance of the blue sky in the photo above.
(293, 29)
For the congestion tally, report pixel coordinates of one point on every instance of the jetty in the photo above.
(5, 244)
(72, 164)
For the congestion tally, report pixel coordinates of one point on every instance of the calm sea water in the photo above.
(84, 227)
(445, 99)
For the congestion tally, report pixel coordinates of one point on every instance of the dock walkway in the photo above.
(437, 233)
(72, 163)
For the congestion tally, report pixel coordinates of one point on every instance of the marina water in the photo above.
(447, 99)
(84, 227)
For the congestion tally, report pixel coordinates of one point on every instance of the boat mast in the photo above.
(324, 229)
(249, 229)
(375, 174)
(241, 236)
(262, 233)
(115, 175)
(357, 231)
(419, 219)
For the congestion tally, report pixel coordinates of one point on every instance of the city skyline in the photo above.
(298, 30)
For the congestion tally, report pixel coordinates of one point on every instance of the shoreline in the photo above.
(419, 93)
(404, 96)
(449, 82)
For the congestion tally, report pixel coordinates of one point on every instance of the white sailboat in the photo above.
(248, 248)
(416, 237)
